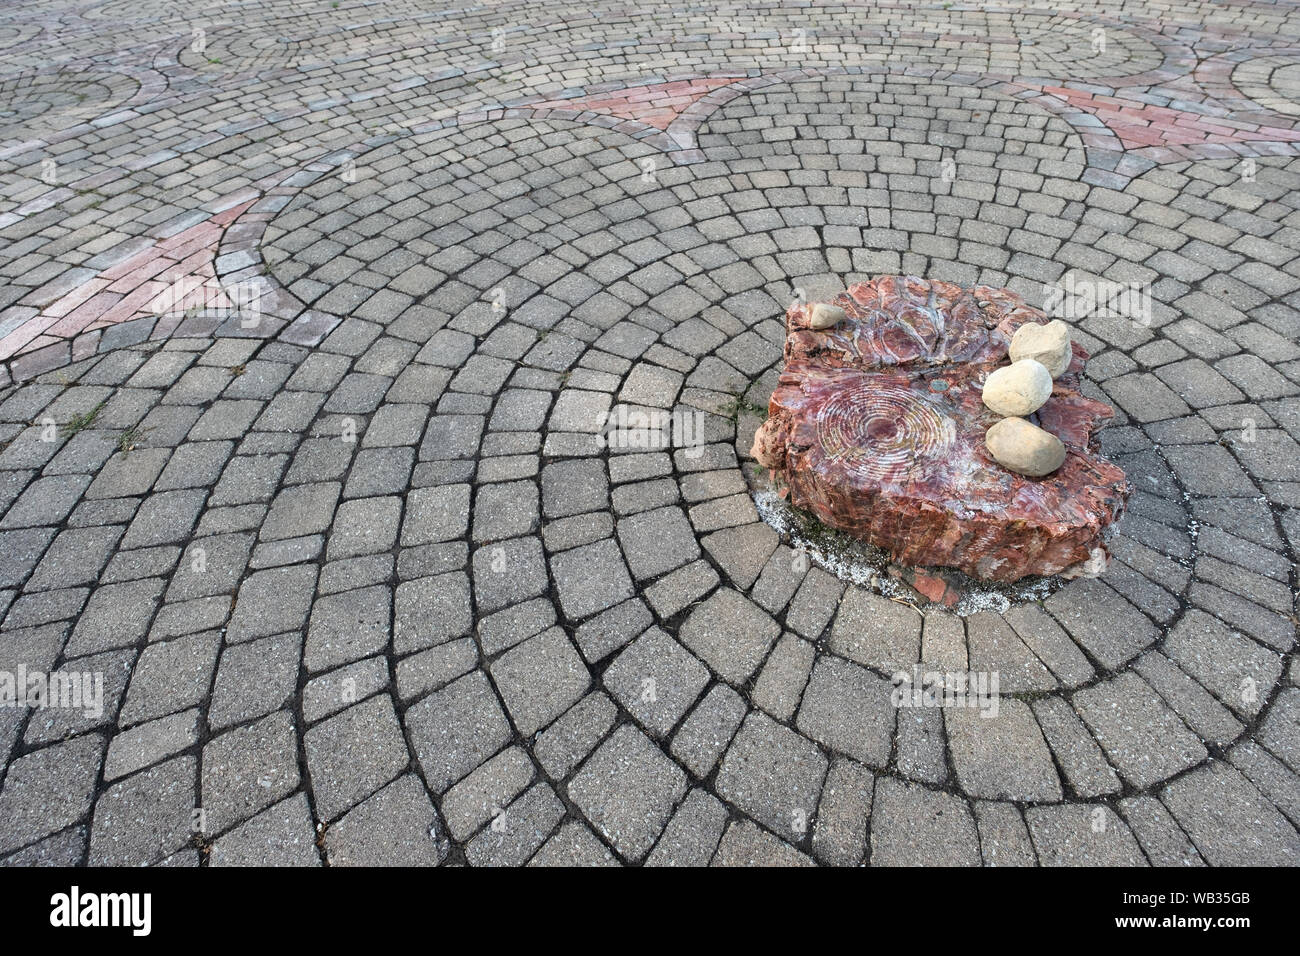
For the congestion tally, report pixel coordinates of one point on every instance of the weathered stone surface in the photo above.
(877, 426)
(913, 826)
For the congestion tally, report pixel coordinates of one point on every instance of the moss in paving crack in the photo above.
(78, 423)
(130, 437)
(733, 408)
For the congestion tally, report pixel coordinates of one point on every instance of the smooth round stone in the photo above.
(1048, 344)
(1023, 447)
(1019, 388)
(825, 316)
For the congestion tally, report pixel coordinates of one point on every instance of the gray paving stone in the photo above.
(780, 579)
(849, 710)
(627, 790)
(744, 844)
(540, 679)
(170, 676)
(149, 743)
(1141, 737)
(1278, 730)
(20, 551)
(921, 749)
(272, 602)
(1188, 699)
(505, 629)
(508, 572)
(774, 775)
(75, 557)
(1163, 842)
(1082, 835)
(913, 826)
(486, 792)
(781, 682)
(430, 611)
(840, 834)
(565, 533)
(1004, 840)
(875, 631)
(301, 509)
(979, 743)
(455, 729)
(574, 487)
(705, 734)
(332, 692)
(505, 511)
(165, 518)
(429, 670)
(742, 551)
(436, 514)
(680, 589)
(395, 827)
(146, 817)
(692, 835)
(1104, 624)
(814, 603)
(364, 526)
(46, 501)
(46, 790)
(247, 769)
(564, 744)
(347, 627)
(731, 634)
(1081, 761)
(210, 565)
(254, 679)
(657, 680)
(1235, 669)
(281, 835)
(63, 849)
(657, 541)
(574, 845)
(521, 829)
(353, 754)
(117, 615)
(994, 648)
(590, 579)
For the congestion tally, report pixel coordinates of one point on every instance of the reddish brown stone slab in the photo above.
(877, 428)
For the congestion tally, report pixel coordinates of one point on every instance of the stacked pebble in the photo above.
(1039, 353)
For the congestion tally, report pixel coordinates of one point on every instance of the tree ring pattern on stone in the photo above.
(878, 431)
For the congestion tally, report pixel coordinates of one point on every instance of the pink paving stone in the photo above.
(877, 428)
(127, 289)
(654, 104)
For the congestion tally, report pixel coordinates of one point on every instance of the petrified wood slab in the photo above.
(877, 428)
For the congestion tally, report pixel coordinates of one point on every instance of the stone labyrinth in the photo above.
(365, 577)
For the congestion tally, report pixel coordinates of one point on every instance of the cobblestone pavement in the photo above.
(364, 584)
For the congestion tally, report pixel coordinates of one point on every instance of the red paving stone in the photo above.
(129, 289)
(654, 104)
(1141, 124)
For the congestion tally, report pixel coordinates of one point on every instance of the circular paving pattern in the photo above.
(464, 528)
(1272, 81)
(296, 44)
(39, 104)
